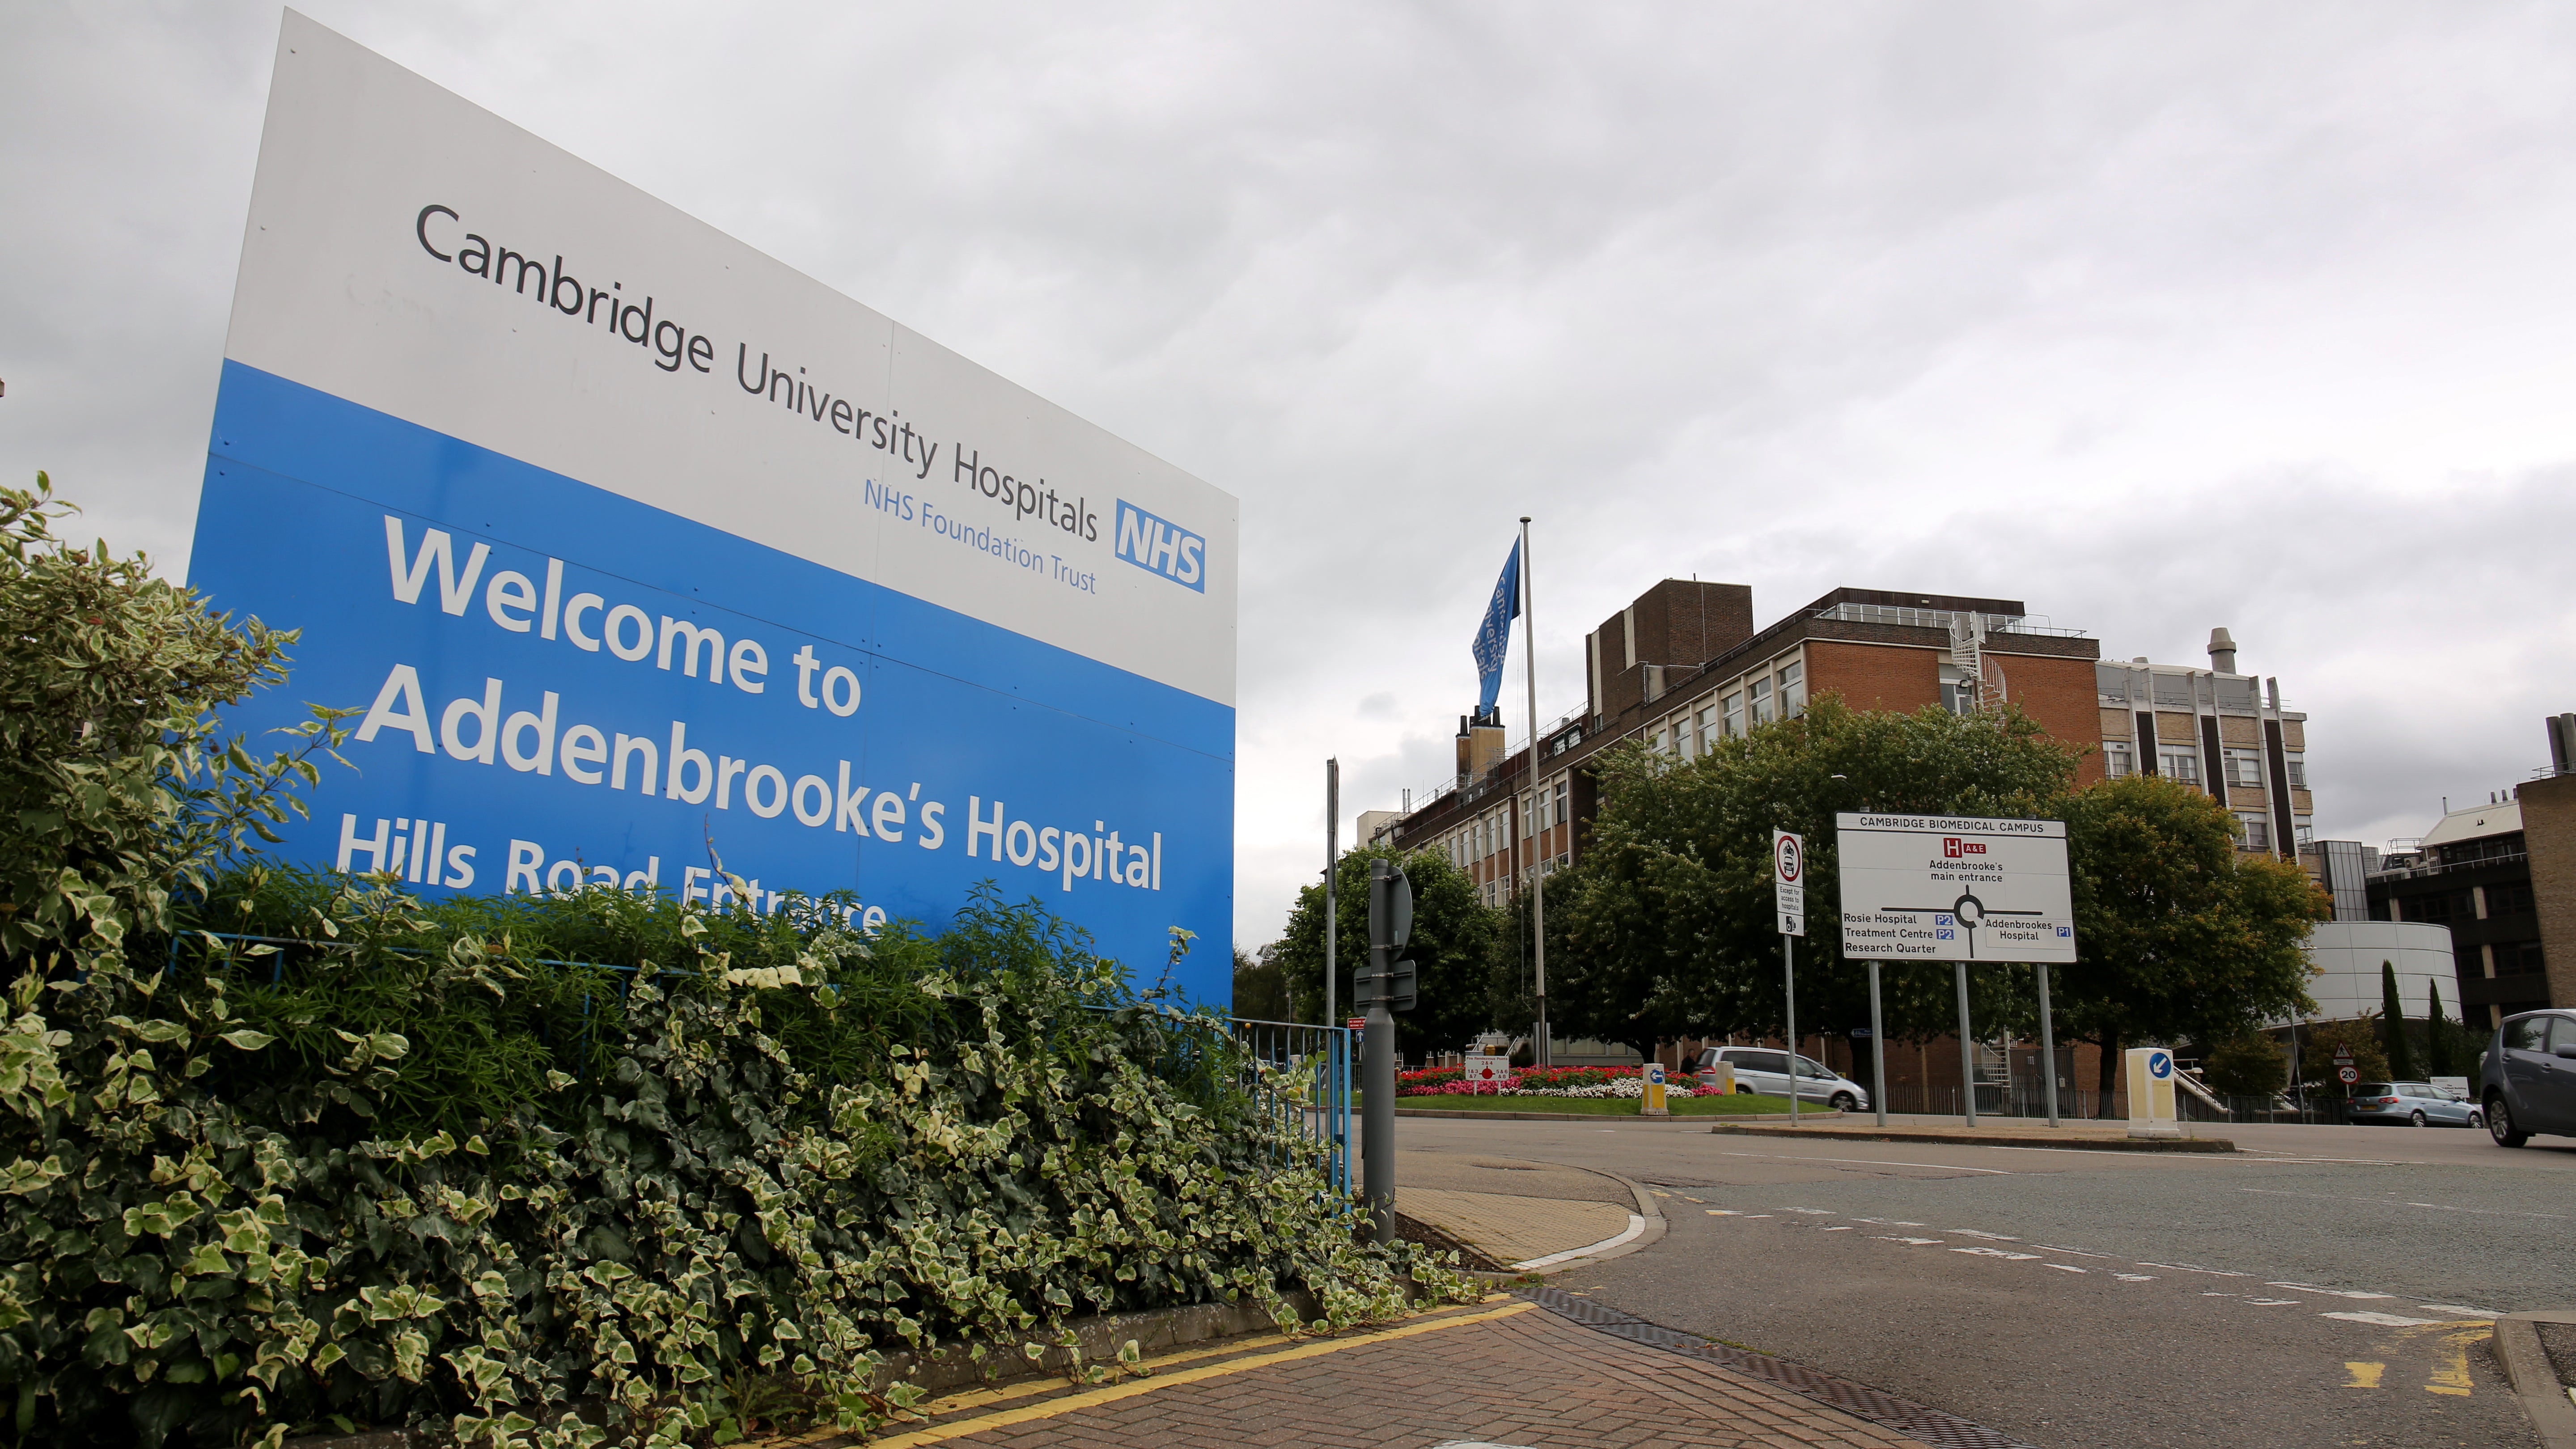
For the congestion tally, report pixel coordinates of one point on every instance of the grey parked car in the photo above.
(2527, 1079)
(2415, 1104)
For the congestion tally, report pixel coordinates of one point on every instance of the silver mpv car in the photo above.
(1766, 1070)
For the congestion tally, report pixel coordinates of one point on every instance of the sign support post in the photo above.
(1789, 900)
(1332, 858)
(2047, 1045)
(1967, 1054)
(1877, 1048)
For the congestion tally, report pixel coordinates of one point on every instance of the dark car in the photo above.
(2527, 1079)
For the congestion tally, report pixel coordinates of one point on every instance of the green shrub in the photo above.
(2252, 1065)
(292, 1152)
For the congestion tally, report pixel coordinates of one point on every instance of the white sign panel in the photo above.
(654, 564)
(1945, 888)
(1789, 881)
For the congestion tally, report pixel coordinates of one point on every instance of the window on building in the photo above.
(1706, 740)
(2117, 761)
(1760, 697)
(2307, 836)
(2258, 830)
(2508, 900)
(1735, 715)
(2179, 764)
(1529, 819)
(2432, 910)
(1793, 688)
(2245, 767)
(1655, 740)
(2296, 767)
(1559, 817)
(2521, 958)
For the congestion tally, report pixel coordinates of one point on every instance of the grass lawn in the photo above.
(1739, 1104)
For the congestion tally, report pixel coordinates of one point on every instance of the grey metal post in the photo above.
(1877, 1048)
(1377, 1086)
(1538, 888)
(1967, 1054)
(2047, 1044)
(1332, 859)
(1789, 973)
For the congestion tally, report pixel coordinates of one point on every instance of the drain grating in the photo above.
(1906, 1417)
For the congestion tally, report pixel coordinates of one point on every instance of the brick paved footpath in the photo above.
(1501, 1372)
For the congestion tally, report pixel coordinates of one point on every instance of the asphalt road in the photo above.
(2328, 1286)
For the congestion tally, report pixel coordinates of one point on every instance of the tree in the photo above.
(2251, 1065)
(1260, 986)
(2392, 1024)
(1666, 926)
(1452, 948)
(2181, 937)
(2361, 1035)
(2441, 1037)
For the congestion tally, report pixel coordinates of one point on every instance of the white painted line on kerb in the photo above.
(1636, 1225)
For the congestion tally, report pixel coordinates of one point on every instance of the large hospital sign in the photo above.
(650, 562)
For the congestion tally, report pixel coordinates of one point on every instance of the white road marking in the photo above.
(2456, 1308)
(2434, 1206)
(2329, 1292)
(2069, 1268)
(2220, 1295)
(2274, 1302)
(2075, 1252)
(2213, 1272)
(2381, 1320)
(1999, 1253)
(1888, 1222)
(1872, 1162)
(1973, 1233)
(1839, 1228)
(2135, 1277)
(1811, 1212)
(1915, 1242)
(1724, 1213)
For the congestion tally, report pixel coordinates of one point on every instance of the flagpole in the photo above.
(1538, 887)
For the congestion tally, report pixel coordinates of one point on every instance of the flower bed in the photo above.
(1543, 1082)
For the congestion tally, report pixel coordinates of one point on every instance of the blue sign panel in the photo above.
(616, 621)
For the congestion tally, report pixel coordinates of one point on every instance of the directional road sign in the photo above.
(1949, 888)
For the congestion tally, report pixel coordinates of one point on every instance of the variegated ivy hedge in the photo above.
(423, 1176)
(284, 1154)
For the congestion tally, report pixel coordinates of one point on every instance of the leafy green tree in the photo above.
(2181, 936)
(2251, 1065)
(1452, 948)
(2392, 1024)
(1260, 987)
(1666, 927)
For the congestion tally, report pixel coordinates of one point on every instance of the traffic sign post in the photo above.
(1385, 986)
(1789, 903)
(1483, 1072)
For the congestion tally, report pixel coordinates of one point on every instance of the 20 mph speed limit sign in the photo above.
(1789, 881)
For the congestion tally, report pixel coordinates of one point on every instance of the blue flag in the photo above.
(1494, 636)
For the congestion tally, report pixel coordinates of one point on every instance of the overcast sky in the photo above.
(2154, 316)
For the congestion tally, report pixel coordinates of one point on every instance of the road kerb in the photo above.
(2535, 1382)
(1964, 1138)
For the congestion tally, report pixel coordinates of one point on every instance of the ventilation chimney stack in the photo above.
(2222, 651)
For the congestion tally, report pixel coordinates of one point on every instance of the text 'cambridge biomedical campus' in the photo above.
(1437, 728)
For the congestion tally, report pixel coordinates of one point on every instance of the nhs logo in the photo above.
(1159, 547)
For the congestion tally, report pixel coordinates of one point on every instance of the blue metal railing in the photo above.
(1302, 1077)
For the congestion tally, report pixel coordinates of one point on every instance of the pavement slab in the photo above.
(1505, 1372)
